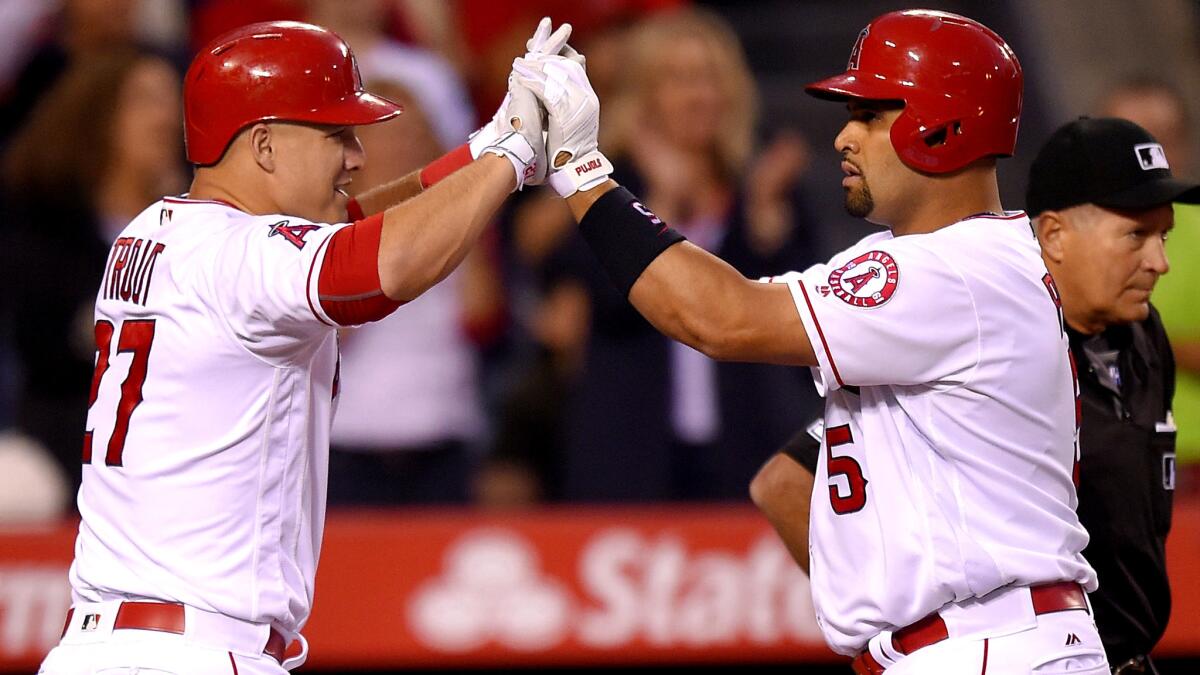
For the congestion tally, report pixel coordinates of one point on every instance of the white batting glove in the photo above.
(520, 138)
(544, 42)
(561, 84)
(521, 103)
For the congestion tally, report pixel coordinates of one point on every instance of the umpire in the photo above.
(1100, 195)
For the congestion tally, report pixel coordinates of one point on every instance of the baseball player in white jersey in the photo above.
(206, 450)
(944, 534)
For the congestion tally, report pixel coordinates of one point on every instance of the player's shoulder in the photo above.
(981, 245)
(225, 225)
(1009, 230)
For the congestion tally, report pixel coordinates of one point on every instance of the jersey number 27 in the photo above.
(136, 336)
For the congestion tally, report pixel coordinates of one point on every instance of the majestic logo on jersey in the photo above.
(867, 281)
(293, 233)
(856, 51)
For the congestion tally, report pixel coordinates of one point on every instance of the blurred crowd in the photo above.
(524, 377)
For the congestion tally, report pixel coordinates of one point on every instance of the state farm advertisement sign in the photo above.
(636, 585)
(559, 586)
(444, 587)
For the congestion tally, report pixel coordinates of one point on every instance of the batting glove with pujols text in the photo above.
(561, 84)
(496, 136)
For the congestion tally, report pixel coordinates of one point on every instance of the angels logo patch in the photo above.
(867, 281)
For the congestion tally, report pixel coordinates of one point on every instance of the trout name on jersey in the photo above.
(130, 269)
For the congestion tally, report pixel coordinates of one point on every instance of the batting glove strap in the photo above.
(582, 174)
(517, 150)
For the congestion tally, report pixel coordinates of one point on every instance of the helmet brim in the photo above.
(354, 110)
(854, 84)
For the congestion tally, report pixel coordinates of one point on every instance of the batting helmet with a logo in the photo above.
(278, 70)
(959, 81)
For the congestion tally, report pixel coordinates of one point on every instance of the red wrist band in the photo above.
(445, 165)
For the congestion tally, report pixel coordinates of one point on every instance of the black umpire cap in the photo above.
(1108, 162)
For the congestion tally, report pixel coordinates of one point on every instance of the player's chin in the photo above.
(335, 208)
(858, 202)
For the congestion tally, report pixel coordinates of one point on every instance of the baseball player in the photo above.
(944, 534)
(206, 450)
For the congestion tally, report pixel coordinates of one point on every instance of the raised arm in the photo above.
(687, 293)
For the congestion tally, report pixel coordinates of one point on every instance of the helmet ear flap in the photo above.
(934, 148)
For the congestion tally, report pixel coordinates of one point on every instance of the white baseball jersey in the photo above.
(950, 425)
(206, 449)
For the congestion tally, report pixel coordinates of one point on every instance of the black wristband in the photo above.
(625, 236)
(803, 448)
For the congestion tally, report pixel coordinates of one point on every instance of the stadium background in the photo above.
(520, 572)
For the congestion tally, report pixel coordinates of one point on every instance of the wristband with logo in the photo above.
(582, 174)
(625, 236)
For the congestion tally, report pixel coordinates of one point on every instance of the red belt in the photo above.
(1059, 597)
(168, 618)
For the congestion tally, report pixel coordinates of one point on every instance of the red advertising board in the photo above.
(555, 586)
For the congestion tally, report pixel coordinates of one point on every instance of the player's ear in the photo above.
(261, 146)
(1050, 228)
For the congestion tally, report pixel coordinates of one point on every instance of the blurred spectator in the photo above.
(211, 18)
(410, 417)
(32, 488)
(22, 24)
(648, 418)
(100, 147)
(80, 30)
(1160, 108)
(435, 83)
(482, 37)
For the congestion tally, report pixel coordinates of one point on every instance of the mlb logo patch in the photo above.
(1151, 156)
(90, 622)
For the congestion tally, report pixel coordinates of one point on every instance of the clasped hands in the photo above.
(548, 123)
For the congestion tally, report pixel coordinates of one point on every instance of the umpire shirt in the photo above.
(1127, 478)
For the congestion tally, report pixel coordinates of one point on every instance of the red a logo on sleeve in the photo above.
(293, 233)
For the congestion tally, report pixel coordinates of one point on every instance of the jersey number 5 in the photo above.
(849, 467)
(136, 336)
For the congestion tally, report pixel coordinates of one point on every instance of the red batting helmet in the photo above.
(278, 70)
(959, 81)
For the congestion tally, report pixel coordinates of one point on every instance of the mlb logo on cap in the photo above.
(1151, 156)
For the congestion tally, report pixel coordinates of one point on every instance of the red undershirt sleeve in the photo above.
(348, 286)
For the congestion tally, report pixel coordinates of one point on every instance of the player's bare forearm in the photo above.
(700, 300)
(782, 490)
(382, 197)
(426, 237)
